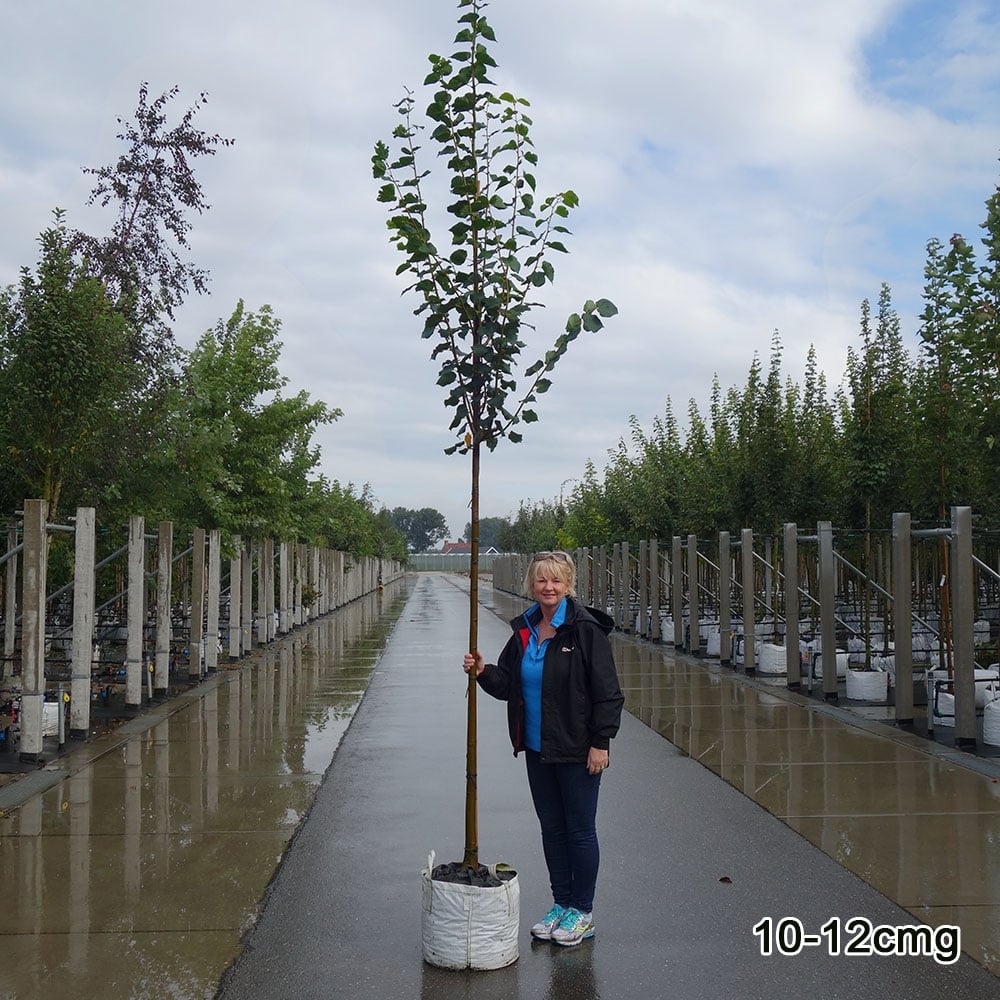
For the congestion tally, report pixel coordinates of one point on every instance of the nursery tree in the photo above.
(247, 449)
(476, 294)
(152, 187)
(65, 372)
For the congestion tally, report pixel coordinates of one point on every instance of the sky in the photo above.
(742, 168)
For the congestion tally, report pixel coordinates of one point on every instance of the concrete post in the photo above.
(626, 623)
(135, 668)
(10, 604)
(601, 577)
(83, 623)
(284, 586)
(262, 592)
(654, 590)
(164, 588)
(749, 610)
(297, 584)
(235, 598)
(694, 607)
(793, 658)
(339, 590)
(246, 598)
(272, 625)
(963, 624)
(582, 576)
(642, 626)
(33, 628)
(214, 599)
(317, 586)
(725, 589)
(196, 659)
(827, 597)
(677, 601)
(612, 567)
(902, 605)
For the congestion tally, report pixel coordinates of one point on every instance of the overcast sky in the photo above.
(743, 166)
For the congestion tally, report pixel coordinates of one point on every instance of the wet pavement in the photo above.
(134, 864)
(218, 843)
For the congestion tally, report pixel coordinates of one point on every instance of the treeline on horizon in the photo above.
(916, 432)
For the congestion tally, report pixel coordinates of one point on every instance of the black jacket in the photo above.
(581, 699)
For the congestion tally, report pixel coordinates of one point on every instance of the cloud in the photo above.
(741, 168)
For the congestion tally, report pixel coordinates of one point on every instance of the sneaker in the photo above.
(573, 928)
(544, 928)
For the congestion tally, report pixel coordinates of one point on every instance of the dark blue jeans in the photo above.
(565, 798)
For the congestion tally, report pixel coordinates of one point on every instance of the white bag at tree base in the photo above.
(867, 685)
(470, 926)
(772, 659)
(991, 723)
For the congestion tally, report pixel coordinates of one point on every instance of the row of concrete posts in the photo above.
(294, 583)
(641, 586)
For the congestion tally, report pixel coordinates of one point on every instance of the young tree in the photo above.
(153, 186)
(246, 450)
(948, 388)
(587, 520)
(477, 295)
(65, 372)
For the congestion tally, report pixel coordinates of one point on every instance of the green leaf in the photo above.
(607, 308)
(573, 324)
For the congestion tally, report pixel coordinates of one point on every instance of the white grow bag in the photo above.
(772, 659)
(867, 685)
(991, 723)
(469, 926)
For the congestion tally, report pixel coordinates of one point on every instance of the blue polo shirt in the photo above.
(532, 664)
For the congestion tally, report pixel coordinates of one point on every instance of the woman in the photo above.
(558, 677)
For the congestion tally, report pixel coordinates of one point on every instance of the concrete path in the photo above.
(690, 866)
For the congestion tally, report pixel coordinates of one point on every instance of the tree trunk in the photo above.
(471, 860)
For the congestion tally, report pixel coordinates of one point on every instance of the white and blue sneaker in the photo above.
(573, 928)
(544, 928)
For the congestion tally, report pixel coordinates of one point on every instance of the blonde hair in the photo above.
(557, 565)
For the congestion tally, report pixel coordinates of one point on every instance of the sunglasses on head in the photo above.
(557, 555)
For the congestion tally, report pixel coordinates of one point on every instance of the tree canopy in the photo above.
(422, 529)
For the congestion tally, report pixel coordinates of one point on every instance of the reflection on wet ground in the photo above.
(920, 827)
(918, 822)
(137, 873)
